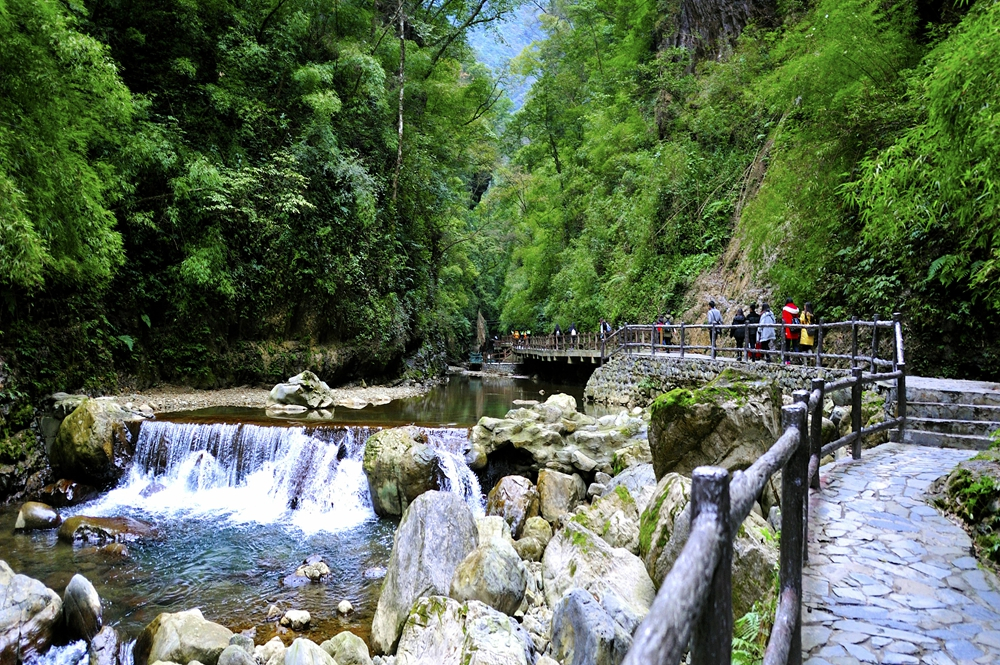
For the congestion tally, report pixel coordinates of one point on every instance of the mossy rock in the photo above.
(399, 467)
(972, 493)
(92, 445)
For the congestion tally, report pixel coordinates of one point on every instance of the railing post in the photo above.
(854, 341)
(603, 347)
(856, 412)
(712, 638)
(746, 342)
(896, 318)
(682, 339)
(874, 343)
(816, 432)
(713, 333)
(819, 342)
(805, 442)
(781, 341)
(793, 491)
(901, 399)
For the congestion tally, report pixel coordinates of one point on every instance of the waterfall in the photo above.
(309, 476)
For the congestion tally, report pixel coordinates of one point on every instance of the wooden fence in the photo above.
(693, 609)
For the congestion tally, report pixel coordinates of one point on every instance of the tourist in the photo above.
(807, 341)
(668, 332)
(557, 333)
(790, 317)
(765, 332)
(605, 328)
(738, 332)
(714, 319)
(753, 318)
(659, 328)
(573, 334)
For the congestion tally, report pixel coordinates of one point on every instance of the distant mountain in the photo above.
(496, 48)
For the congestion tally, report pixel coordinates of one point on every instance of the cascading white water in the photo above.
(310, 477)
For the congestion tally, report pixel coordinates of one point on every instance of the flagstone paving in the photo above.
(889, 579)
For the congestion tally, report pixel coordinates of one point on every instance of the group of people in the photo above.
(763, 329)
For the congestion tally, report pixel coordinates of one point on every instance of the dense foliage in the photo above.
(845, 149)
(185, 186)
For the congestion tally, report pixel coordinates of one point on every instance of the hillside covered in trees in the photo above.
(222, 192)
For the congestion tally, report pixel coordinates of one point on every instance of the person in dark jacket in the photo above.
(557, 333)
(753, 318)
(739, 332)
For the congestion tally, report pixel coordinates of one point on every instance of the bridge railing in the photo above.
(693, 608)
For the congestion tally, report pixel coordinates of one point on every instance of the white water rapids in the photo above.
(311, 478)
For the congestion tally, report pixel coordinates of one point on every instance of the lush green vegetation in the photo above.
(845, 149)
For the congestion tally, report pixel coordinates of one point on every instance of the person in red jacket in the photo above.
(790, 316)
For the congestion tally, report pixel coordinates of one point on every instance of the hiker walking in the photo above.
(738, 332)
(765, 332)
(793, 329)
(714, 319)
(573, 335)
(807, 340)
(557, 333)
(753, 318)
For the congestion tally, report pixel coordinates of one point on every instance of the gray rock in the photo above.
(347, 649)
(243, 641)
(105, 647)
(399, 467)
(35, 516)
(538, 528)
(515, 499)
(181, 637)
(82, 609)
(493, 526)
(493, 574)
(584, 634)
(560, 493)
(636, 479)
(296, 619)
(93, 445)
(272, 650)
(436, 533)
(306, 652)
(302, 390)
(29, 613)
(236, 655)
(615, 518)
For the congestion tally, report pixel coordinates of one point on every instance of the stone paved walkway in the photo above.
(889, 579)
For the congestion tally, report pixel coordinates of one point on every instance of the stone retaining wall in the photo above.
(632, 380)
(502, 369)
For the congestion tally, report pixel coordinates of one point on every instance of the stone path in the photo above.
(890, 580)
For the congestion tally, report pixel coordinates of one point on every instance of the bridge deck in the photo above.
(889, 579)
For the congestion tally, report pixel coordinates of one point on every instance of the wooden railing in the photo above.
(693, 608)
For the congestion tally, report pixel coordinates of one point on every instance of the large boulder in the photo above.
(306, 652)
(35, 516)
(180, 638)
(400, 466)
(442, 631)
(435, 535)
(578, 557)
(236, 655)
(560, 493)
(346, 648)
(583, 633)
(82, 612)
(29, 614)
(534, 537)
(493, 574)
(730, 423)
(304, 390)
(664, 529)
(639, 480)
(615, 518)
(104, 649)
(93, 444)
(101, 530)
(515, 499)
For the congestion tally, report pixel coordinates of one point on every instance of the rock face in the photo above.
(664, 529)
(436, 533)
(306, 652)
(93, 445)
(577, 557)
(493, 574)
(303, 390)
(180, 638)
(24, 467)
(560, 493)
(615, 518)
(558, 437)
(29, 613)
(442, 631)
(583, 633)
(100, 530)
(515, 499)
(399, 467)
(35, 516)
(346, 648)
(728, 423)
(82, 612)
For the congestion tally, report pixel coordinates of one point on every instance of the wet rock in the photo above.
(35, 516)
(560, 493)
(105, 648)
(93, 445)
(313, 569)
(181, 637)
(306, 652)
(730, 423)
(296, 619)
(436, 533)
(29, 614)
(346, 648)
(345, 607)
(399, 467)
(515, 499)
(492, 573)
(151, 489)
(242, 641)
(615, 518)
(83, 529)
(64, 493)
(583, 633)
(236, 655)
(302, 390)
(82, 612)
